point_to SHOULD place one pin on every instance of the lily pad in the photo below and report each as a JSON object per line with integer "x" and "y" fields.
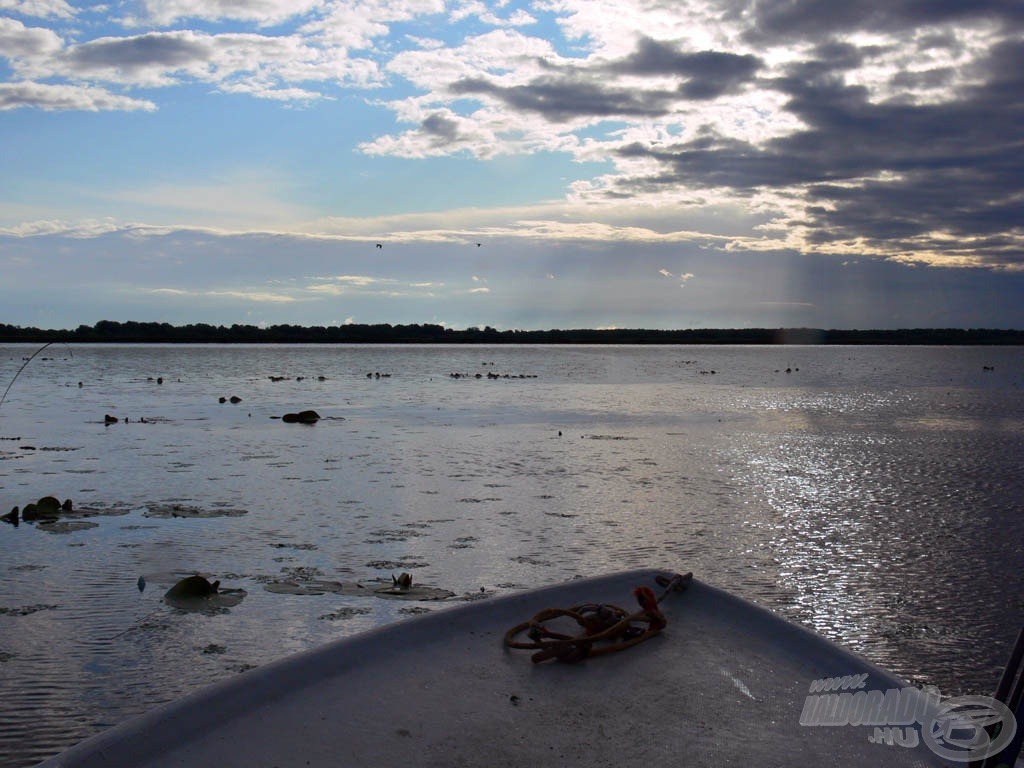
{"x": 97, "y": 510}
{"x": 415, "y": 592}
{"x": 312, "y": 587}
{"x": 217, "y": 603}
{"x": 187, "y": 511}
{"x": 396, "y": 565}
{"x": 344, "y": 613}
{"x": 66, "y": 526}
{"x": 414, "y": 610}
{"x": 25, "y": 610}
{"x": 387, "y": 590}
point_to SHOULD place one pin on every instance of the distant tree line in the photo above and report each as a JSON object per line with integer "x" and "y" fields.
{"x": 131, "y": 332}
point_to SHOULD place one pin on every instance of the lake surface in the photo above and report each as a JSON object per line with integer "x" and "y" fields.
{"x": 873, "y": 494}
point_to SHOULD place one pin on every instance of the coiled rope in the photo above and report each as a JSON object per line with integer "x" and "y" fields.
{"x": 606, "y": 628}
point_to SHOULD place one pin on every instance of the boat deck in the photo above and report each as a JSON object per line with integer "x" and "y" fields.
{"x": 724, "y": 684}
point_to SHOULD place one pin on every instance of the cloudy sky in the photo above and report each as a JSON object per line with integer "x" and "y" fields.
{"x": 555, "y": 163}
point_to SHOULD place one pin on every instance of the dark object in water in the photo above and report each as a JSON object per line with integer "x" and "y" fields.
{"x": 192, "y": 587}
{"x": 11, "y": 517}
{"x": 108, "y": 419}
{"x": 402, "y": 582}
{"x": 47, "y": 508}
{"x": 302, "y": 417}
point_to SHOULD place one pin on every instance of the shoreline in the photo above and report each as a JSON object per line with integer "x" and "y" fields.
{"x": 109, "y": 332}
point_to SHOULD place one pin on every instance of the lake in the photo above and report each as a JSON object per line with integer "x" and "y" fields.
{"x": 871, "y": 493}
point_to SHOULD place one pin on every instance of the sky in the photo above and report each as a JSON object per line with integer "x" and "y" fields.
{"x": 549, "y": 164}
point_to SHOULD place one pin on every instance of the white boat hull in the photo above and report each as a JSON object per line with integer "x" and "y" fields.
{"x": 724, "y": 684}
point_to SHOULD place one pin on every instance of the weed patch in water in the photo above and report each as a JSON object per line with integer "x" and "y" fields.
{"x": 167, "y": 511}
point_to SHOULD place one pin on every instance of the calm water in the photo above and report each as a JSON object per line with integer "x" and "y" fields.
{"x": 871, "y": 493}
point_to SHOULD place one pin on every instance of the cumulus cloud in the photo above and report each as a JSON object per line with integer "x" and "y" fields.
{"x": 886, "y": 176}
{"x": 38, "y": 8}
{"x": 146, "y": 60}
{"x": 160, "y": 59}
{"x": 530, "y": 98}
{"x": 18, "y": 41}
{"x": 704, "y": 74}
{"x": 786, "y": 20}
{"x": 264, "y": 12}
{"x": 475, "y": 8}
{"x": 439, "y": 133}
{"x": 560, "y": 99}
{"x": 278, "y": 66}
{"x": 67, "y": 97}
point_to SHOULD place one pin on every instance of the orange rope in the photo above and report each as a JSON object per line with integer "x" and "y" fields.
{"x": 609, "y": 625}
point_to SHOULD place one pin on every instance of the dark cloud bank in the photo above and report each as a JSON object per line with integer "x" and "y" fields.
{"x": 942, "y": 179}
